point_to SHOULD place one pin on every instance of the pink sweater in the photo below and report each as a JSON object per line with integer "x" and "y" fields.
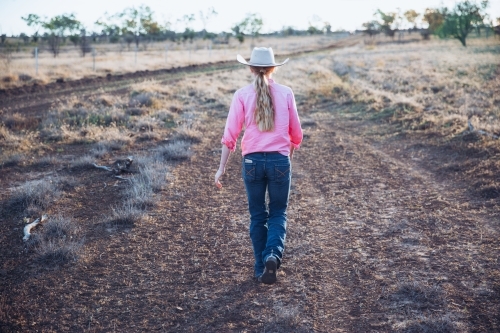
{"x": 287, "y": 130}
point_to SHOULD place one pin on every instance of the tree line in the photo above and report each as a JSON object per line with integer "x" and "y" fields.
{"x": 455, "y": 22}
{"x": 136, "y": 25}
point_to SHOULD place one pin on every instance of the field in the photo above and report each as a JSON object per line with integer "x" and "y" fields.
{"x": 19, "y": 67}
{"x": 393, "y": 219}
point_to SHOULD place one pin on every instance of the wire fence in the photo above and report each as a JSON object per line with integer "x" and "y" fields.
{"x": 39, "y": 61}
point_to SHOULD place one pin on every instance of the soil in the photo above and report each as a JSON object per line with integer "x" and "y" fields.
{"x": 380, "y": 239}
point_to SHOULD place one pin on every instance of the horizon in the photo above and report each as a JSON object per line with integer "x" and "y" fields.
{"x": 276, "y": 15}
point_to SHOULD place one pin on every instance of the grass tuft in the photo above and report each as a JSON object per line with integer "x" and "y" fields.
{"x": 82, "y": 163}
{"x": 59, "y": 242}
{"x": 176, "y": 151}
{"x": 38, "y": 193}
{"x": 126, "y": 215}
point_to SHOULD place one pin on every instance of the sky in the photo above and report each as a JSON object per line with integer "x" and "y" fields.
{"x": 341, "y": 14}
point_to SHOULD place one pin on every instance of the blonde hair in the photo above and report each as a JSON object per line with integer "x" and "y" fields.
{"x": 264, "y": 110}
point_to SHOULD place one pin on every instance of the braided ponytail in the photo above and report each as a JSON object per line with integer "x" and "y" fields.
{"x": 264, "y": 109}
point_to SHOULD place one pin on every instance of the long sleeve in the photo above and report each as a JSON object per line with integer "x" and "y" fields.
{"x": 294, "y": 130}
{"x": 234, "y": 123}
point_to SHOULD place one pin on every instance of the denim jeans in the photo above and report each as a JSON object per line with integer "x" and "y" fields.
{"x": 269, "y": 172}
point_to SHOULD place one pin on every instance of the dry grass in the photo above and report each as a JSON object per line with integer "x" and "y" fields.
{"x": 437, "y": 83}
{"x": 59, "y": 242}
{"x": 119, "y": 59}
{"x": 34, "y": 195}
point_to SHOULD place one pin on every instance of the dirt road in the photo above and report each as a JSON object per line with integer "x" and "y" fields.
{"x": 377, "y": 242}
{"x": 374, "y": 244}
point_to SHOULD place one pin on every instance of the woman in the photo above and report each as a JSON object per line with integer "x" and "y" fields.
{"x": 272, "y": 132}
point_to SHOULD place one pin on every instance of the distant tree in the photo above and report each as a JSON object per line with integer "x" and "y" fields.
{"x": 238, "y": 33}
{"x": 434, "y": 17}
{"x": 34, "y": 21}
{"x": 188, "y": 30}
{"x": 24, "y": 37}
{"x": 110, "y": 27}
{"x": 205, "y": 17}
{"x": 388, "y": 20}
{"x": 288, "y": 31}
{"x": 84, "y": 43}
{"x": 312, "y": 30}
{"x": 136, "y": 22}
{"x": 411, "y": 16}
{"x": 462, "y": 19}
{"x": 75, "y": 39}
{"x": 371, "y": 28}
{"x": 251, "y": 25}
{"x": 3, "y": 38}
{"x": 56, "y": 28}
{"x": 327, "y": 27}
{"x": 314, "y": 25}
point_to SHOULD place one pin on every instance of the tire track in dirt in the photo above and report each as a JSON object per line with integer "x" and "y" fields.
{"x": 388, "y": 247}
{"x": 29, "y": 99}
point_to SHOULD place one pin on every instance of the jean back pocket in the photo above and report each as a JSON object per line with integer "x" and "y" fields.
{"x": 282, "y": 172}
{"x": 249, "y": 170}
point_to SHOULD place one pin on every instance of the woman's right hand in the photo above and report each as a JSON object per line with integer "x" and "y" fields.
{"x": 219, "y": 174}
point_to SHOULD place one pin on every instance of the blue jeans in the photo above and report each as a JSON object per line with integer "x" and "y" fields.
{"x": 269, "y": 172}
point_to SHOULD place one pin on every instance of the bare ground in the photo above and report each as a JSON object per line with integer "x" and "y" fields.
{"x": 380, "y": 239}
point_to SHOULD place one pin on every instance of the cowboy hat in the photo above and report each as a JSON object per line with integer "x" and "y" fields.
{"x": 261, "y": 57}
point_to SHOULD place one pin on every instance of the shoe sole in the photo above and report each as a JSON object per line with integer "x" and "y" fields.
{"x": 269, "y": 275}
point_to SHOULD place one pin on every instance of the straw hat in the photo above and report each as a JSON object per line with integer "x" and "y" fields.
{"x": 261, "y": 57}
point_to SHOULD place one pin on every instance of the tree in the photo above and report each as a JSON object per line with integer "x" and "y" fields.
{"x": 188, "y": 31}
{"x": 462, "y": 19}
{"x": 411, "y": 16}
{"x": 109, "y": 27}
{"x": 238, "y": 33}
{"x": 288, "y": 31}
{"x": 314, "y": 28}
{"x": 387, "y": 20}
{"x": 327, "y": 27}
{"x": 205, "y": 17}
{"x": 371, "y": 28}
{"x": 34, "y": 21}
{"x": 84, "y": 42}
{"x": 24, "y": 37}
{"x": 434, "y": 17}
{"x": 137, "y": 22}
{"x": 56, "y": 27}
{"x": 251, "y": 25}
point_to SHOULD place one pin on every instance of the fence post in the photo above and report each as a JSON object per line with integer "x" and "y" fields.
{"x": 136, "y": 54}
{"x": 36, "y": 60}
{"x": 93, "y": 59}
{"x": 166, "y": 53}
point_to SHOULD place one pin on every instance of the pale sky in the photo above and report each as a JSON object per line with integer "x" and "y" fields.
{"x": 345, "y": 14}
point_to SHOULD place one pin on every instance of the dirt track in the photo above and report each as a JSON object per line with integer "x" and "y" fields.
{"x": 377, "y": 242}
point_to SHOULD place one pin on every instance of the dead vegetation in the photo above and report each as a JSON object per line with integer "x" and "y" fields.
{"x": 392, "y": 220}
{"x": 19, "y": 68}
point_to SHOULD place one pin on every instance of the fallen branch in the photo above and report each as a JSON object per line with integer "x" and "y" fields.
{"x": 481, "y": 132}
{"x": 119, "y": 165}
{"x": 33, "y": 224}
{"x": 102, "y": 167}
{"x": 123, "y": 165}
